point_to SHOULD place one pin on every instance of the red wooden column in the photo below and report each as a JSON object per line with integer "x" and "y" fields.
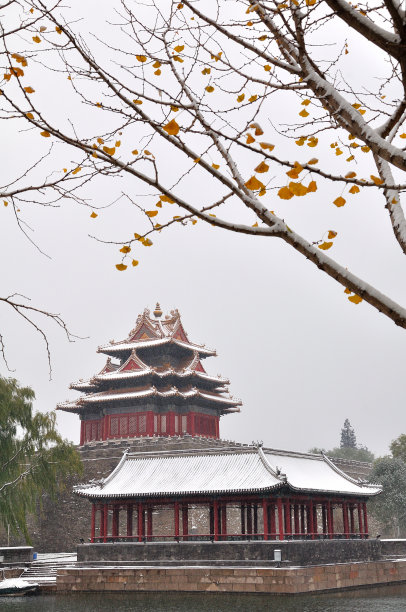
{"x": 310, "y": 517}
{"x": 255, "y": 511}
{"x": 93, "y": 523}
{"x": 360, "y": 523}
{"x": 288, "y": 518}
{"x": 185, "y": 521}
{"x": 224, "y": 521}
{"x": 364, "y": 508}
{"x": 149, "y": 523}
{"x": 216, "y": 520}
{"x": 315, "y": 521}
{"x": 249, "y": 519}
{"x": 280, "y": 518}
{"x": 82, "y": 433}
{"x": 242, "y": 518}
{"x": 302, "y": 520}
{"x": 105, "y": 521}
{"x": 265, "y": 511}
{"x": 140, "y": 521}
{"x": 330, "y": 520}
{"x": 104, "y": 427}
{"x": 176, "y": 520}
{"x": 101, "y": 524}
{"x": 217, "y": 428}
{"x": 296, "y": 519}
{"x": 272, "y": 524}
{"x": 129, "y": 521}
{"x": 352, "y": 522}
{"x": 324, "y": 518}
{"x": 114, "y": 527}
{"x": 345, "y": 519}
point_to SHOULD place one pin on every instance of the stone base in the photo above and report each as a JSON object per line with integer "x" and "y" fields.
{"x": 294, "y": 552}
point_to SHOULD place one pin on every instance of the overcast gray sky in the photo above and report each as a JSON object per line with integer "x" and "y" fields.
{"x": 298, "y": 354}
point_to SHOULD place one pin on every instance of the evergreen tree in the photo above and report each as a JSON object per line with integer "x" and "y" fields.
{"x": 348, "y": 438}
{"x": 34, "y": 459}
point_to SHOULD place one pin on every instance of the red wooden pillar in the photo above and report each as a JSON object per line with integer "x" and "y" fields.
{"x": 364, "y": 508}
{"x": 242, "y": 519}
{"x": 255, "y": 509}
{"x": 288, "y": 518}
{"x": 191, "y": 420}
{"x": 185, "y": 521}
{"x": 315, "y": 520}
{"x": 310, "y": 518}
{"x": 271, "y": 511}
{"x": 217, "y": 427}
{"x": 324, "y": 518}
{"x": 105, "y": 521}
{"x": 82, "y": 433}
{"x": 296, "y": 519}
{"x": 345, "y": 519}
{"x": 216, "y": 520}
{"x": 265, "y": 511}
{"x": 150, "y": 423}
{"x": 224, "y": 521}
{"x": 129, "y": 521}
{"x": 249, "y": 519}
{"x": 93, "y": 523}
{"x": 101, "y": 524}
{"x": 176, "y": 520}
{"x": 140, "y": 521}
{"x": 352, "y": 522}
{"x": 114, "y": 527}
{"x": 104, "y": 427}
{"x": 302, "y": 520}
{"x": 149, "y": 523}
{"x": 360, "y": 523}
{"x": 280, "y": 518}
{"x": 330, "y": 520}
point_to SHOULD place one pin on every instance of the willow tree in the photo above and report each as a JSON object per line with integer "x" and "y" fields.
{"x": 34, "y": 459}
{"x": 229, "y": 111}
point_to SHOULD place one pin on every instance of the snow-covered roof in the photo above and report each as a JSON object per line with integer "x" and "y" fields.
{"x": 246, "y": 470}
{"x": 120, "y": 347}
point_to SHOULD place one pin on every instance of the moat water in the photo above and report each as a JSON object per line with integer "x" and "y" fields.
{"x": 380, "y": 599}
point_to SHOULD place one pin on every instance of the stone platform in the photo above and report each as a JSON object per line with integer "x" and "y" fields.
{"x": 294, "y": 552}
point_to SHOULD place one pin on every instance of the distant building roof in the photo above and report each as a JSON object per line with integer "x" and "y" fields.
{"x": 246, "y": 470}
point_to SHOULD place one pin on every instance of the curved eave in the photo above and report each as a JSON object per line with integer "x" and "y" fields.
{"x": 101, "y": 495}
{"x": 364, "y": 492}
{"x": 124, "y": 347}
{"x": 128, "y": 375}
{"x": 143, "y": 395}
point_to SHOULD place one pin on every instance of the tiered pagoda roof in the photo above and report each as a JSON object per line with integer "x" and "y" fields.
{"x": 157, "y": 362}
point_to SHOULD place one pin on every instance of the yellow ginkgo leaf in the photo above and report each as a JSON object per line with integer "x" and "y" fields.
{"x": 324, "y": 246}
{"x": 121, "y": 267}
{"x": 135, "y": 152}
{"x": 29, "y": 115}
{"x": 402, "y": 135}
{"x": 306, "y": 102}
{"x": 151, "y": 213}
{"x": 267, "y": 67}
{"x": 376, "y": 180}
{"x": 141, "y": 58}
{"x": 252, "y": 98}
{"x": 350, "y": 158}
{"x": 350, "y": 175}
{"x": 171, "y": 128}
{"x": 339, "y": 201}
{"x": 29, "y": 90}
{"x": 5, "y": 203}
{"x": 267, "y": 146}
{"x": 310, "y": 2}
{"x": 258, "y": 129}
{"x": 174, "y": 108}
{"x": 125, "y": 249}
{"x": 209, "y": 88}
{"x": 263, "y": 37}
{"x": 285, "y": 194}
{"x": 137, "y": 101}
{"x": 354, "y": 189}
{"x": 394, "y": 201}
{"x": 297, "y": 189}
{"x": 312, "y": 187}
{"x": 215, "y": 166}
{"x": 179, "y": 48}
{"x": 58, "y": 29}
{"x": 156, "y": 64}
{"x": 100, "y": 140}
{"x": 45, "y": 134}
{"x": 301, "y": 141}
{"x": 147, "y": 242}
{"x": 348, "y": 291}
{"x": 312, "y": 141}
{"x": 117, "y": 143}
{"x": 134, "y": 262}
{"x": 76, "y": 170}
{"x": 206, "y": 70}
{"x": 331, "y": 234}
{"x": 253, "y": 184}
{"x": 177, "y": 58}
{"x": 304, "y": 113}
{"x": 165, "y": 198}
{"x": 36, "y": 39}
{"x": 93, "y": 215}
{"x": 250, "y": 139}
{"x": 262, "y": 167}
{"x": 158, "y": 72}
{"x": 312, "y": 161}
{"x": 194, "y": 221}
{"x": 355, "y": 299}
{"x": 240, "y": 97}
{"x": 365, "y": 149}
{"x": 109, "y": 150}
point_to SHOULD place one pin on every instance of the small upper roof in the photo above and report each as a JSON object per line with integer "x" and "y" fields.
{"x": 236, "y": 470}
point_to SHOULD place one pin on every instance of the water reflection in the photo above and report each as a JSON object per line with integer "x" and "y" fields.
{"x": 380, "y": 599}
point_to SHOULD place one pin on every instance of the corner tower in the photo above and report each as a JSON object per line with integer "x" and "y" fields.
{"x": 153, "y": 384}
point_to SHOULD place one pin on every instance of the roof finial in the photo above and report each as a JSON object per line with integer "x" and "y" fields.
{"x": 157, "y": 311}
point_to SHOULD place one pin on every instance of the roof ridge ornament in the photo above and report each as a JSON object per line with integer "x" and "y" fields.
{"x": 158, "y": 311}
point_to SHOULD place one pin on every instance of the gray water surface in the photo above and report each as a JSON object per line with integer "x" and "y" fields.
{"x": 381, "y": 599}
